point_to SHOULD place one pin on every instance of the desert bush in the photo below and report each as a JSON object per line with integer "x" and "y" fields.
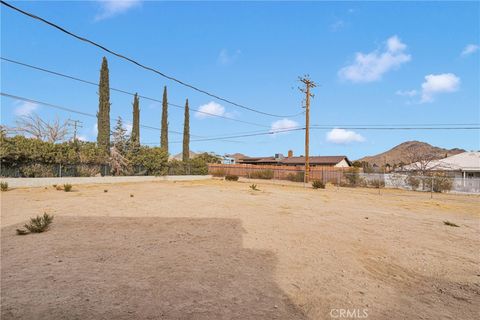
{"x": 376, "y": 183}
{"x": 296, "y": 177}
{"x": 413, "y": 182}
{"x": 318, "y": 184}
{"x": 254, "y": 187}
{"x": 131, "y": 195}
{"x": 218, "y": 173}
{"x": 353, "y": 178}
{"x": 105, "y": 190}
{"x": 231, "y": 177}
{"x": 67, "y": 187}
{"x": 442, "y": 184}
{"x": 262, "y": 174}
{"x": 4, "y": 186}
{"x": 37, "y": 224}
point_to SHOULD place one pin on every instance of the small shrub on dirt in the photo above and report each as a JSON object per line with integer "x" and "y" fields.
{"x": 54, "y": 185}
{"x": 131, "y": 196}
{"x": 105, "y": 190}
{"x": 231, "y": 177}
{"x": 262, "y": 174}
{"x": 67, "y": 187}
{"x": 4, "y": 186}
{"x": 450, "y": 224}
{"x": 318, "y": 184}
{"x": 254, "y": 187}
{"x": 59, "y": 188}
{"x": 36, "y": 225}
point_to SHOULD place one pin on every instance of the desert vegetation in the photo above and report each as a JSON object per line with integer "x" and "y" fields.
{"x": 36, "y": 225}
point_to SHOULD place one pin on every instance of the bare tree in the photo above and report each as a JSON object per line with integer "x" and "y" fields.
{"x": 35, "y": 126}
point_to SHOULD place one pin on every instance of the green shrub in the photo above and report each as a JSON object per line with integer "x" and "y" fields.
{"x": 254, "y": 187}
{"x": 37, "y": 170}
{"x": 37, "y": 225}
{"x": 262, "y": 174}
{"x": 318, "y": 184}
{"x": 88, "y": 171}
{"x": 231, "y": 177}
{"x": 296, "y": 177}
{"x": 4, "y": 186}
{"x": 67, "y": 187}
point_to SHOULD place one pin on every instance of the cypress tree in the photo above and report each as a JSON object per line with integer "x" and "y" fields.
{"x": 103, "y": 115}
{"x": 164, "y": 134}
{"x": 186, "y": 134}
{"x": 135, "y": 138}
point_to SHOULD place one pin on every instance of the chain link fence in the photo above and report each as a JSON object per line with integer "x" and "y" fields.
{"x": 41, "y": 170}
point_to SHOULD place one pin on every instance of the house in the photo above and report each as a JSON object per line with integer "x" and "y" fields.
{"x": 464, "y": 165}
{"x": 315, "y": 161}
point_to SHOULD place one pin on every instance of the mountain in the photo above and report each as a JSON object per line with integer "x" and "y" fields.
{"x": 403, "y": 152}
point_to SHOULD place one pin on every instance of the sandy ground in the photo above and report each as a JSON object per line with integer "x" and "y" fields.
{"x": 217, "y": 250}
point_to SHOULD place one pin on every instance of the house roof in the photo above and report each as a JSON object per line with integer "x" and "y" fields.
{"x": 325, "y": 160}
{"x": 466, "y": 161}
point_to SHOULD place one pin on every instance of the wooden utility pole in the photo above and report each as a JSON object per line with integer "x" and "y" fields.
{"x": 308, "y": 84}
{"x": 76, "y": 124}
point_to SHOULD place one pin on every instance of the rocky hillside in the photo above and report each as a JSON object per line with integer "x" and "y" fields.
{"x": 403, "y": 152}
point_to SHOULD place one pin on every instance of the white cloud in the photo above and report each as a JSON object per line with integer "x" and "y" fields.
{"x": 406, "y": 93}
{"x": 111, "y": 8}
{"x": 225, "y": 58}
{"x": 371, "y": 66}
{"x": 284, "y": 124}
{"x": 469, "y": 49}
{"x": 438, "y": 83}
{"x": 342, "y": 136}
{"x": 212, "y": 108}
{"x": 24, "y": 108}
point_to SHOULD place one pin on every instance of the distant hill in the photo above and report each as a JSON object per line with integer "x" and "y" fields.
{"x": 401, "y": 153}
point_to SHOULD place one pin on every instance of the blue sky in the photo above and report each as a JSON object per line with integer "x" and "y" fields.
{"x": 376, "y": 63}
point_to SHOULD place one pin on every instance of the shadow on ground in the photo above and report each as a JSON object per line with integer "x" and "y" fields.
{"x": 139, "y": 268}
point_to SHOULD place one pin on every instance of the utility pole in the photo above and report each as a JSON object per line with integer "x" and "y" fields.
{"x": 308, "y": 85}
{"x": 76, "y": 124}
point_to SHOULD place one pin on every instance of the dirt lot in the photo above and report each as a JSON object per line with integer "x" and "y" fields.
{"x": 217, "y": 250}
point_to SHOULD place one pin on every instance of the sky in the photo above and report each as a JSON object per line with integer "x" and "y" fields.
{"x": 375, "y": 63}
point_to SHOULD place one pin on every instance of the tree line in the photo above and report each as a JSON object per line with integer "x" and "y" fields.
{"x": 121, "y": 152}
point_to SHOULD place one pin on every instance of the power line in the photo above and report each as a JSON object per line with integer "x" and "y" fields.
{"x": 273, "y": 132}
{"x": 340, "y": 126}
{"x": 125, "y": 92}
{"x": 76, "y": 111}
{"x": 142, "y": 65}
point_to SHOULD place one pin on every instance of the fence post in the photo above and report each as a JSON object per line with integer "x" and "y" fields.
{"x": 431, "y": 188}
